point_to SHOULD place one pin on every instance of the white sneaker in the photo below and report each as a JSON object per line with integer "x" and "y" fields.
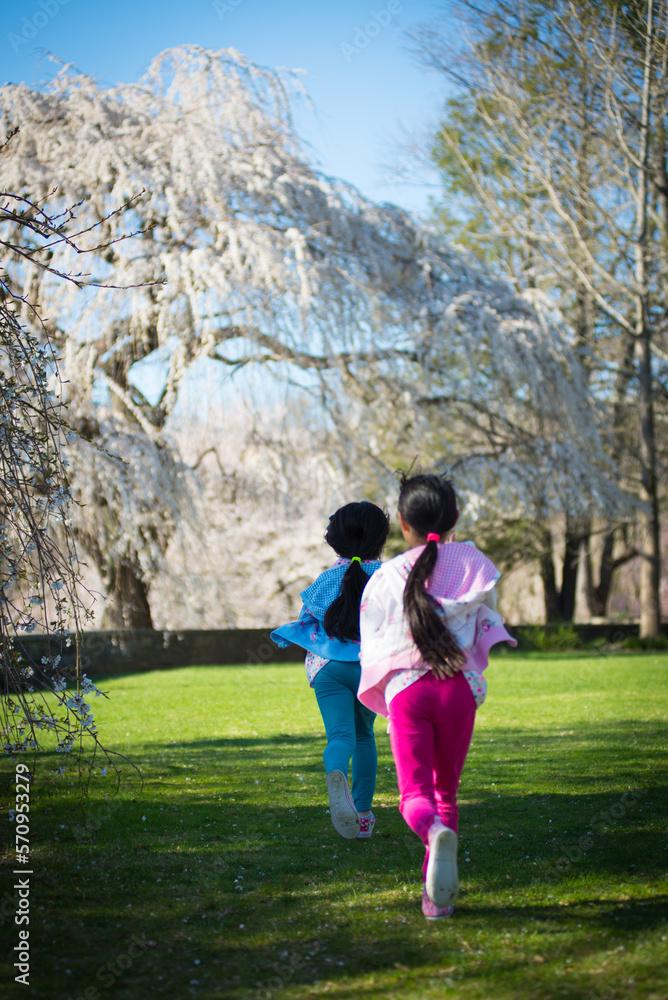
{"x": 442, "y": 882}
{"x": 341, "y": 807}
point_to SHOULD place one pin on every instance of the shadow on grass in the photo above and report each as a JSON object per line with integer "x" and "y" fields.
{"x": 281, "y": 937}
{"x": 241, "y": 742}
{"x": 604, "y": 748}
{"x": 232, "y": 880}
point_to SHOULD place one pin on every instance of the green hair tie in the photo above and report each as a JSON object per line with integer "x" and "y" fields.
{"x": 356, "y": 559}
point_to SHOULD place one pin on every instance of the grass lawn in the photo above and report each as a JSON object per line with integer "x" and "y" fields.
{"x": 221, "y": 876}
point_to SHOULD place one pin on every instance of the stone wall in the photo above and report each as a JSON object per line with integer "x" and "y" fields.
{"x": 134, "y": 650}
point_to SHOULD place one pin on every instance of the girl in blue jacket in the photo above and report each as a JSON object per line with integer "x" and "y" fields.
{"x": 328, "y": 629}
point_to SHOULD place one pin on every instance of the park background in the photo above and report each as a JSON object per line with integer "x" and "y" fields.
{"x": 241, "y": 443}
{"x": 463, "y": 264}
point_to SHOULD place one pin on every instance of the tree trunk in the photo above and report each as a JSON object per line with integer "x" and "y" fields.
{"x": 560, "y": 601}
{"x": 650, "y": 568}
{"x": 127, "y": 600}
{"x": 598, "y": 593}
{"x": 569, "y": 576}
{"x": 548, "y": 576}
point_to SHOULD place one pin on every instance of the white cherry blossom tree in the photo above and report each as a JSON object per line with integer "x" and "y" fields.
{"x": 249, "y": 258}
{"x": 46, "y": 698}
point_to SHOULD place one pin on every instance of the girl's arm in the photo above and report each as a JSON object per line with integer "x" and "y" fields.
{"x": 376, "y": 610}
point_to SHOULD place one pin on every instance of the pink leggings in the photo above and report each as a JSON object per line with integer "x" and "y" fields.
{"x": 431, "y": 727}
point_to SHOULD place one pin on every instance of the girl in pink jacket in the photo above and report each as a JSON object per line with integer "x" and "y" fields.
{"x": 427, "y": 621}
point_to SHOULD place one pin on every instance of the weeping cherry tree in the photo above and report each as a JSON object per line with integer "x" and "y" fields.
{"x": 249, "y": 258}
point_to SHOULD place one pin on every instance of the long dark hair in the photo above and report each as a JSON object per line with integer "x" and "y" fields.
{"x": 428, "y": 503}
{"x": 357, "y": 529}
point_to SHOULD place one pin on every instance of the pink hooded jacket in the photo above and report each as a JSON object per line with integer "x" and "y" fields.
{"x": 462, "y": 582}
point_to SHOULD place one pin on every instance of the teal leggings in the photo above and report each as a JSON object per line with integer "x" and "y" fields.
{"x": 349, "y": 728}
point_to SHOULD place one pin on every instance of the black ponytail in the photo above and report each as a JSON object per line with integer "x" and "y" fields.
{"x": 356, "y": 530}
{"x": 428, "y": 503}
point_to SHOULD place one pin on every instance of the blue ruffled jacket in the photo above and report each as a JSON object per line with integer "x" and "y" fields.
{"x": 308, "y": 631}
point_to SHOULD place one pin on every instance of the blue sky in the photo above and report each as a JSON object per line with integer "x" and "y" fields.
{"x": 365, "y": 85}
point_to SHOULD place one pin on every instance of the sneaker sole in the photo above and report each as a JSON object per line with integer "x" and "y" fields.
{"x": 344, "y": 816}
{"x": 441, "y": 916}
{"x": 442, "y": 881}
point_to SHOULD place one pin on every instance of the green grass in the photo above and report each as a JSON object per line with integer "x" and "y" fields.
{"x": 226, "y": 869}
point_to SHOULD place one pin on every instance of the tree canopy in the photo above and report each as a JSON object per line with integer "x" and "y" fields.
{"x": 245, "y": 255}
{"x": 553, "y": 149}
